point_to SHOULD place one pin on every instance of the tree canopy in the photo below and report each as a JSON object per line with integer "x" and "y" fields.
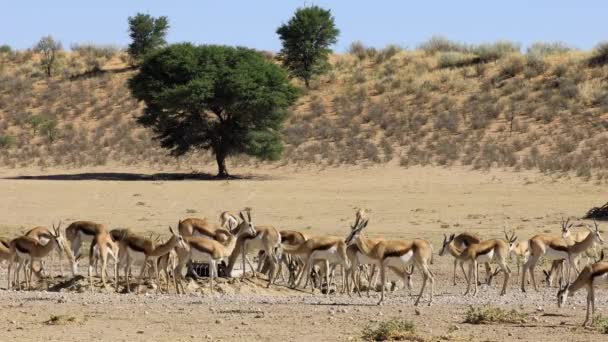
{"x": 223, "y": 99}
{"x": 147, "y": 33}
{"x": 49, "y": 49}
{"x": 306, "y": 39}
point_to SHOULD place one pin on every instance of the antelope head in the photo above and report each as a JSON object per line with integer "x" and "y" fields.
{"x": 246, "y": 227}
{"x": 566, "y": 226}
{"x": 355, "y": 230}
{"x": 179, "y": 238}
{"x": 446, "y": 241}
{"x": 58, "y": 237}
{"x": 597, "y": 237}
{"x": 510, "y": 240}
{"x": 562, "y": 294}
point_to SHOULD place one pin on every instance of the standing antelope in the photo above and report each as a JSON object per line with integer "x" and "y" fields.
{"x": 28, "y": 249}
{"x": 577, "y": 237}
{"x": 294, "y": 263}
{"x": 207, "y": 249}
{"x": 519, "y": 249}
{"x": 142, "y": 249}
{"x": 485, "y": 251}
{"x": 557, "y": 248}
{"x": 461, "y": 242}
{"x": 590, "y": 276}
{"x": 397, "y": 253}
{"x": 8, "y": 254}
{"x": 102, "y": 246}
{"x": 43, "y": 234}
{"x": 77, "y": 233}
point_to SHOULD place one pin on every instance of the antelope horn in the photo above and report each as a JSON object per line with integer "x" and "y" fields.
{"x": 249, "y": 214}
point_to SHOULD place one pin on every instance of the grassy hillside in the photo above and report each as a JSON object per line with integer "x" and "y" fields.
{"x": 445, "y": 104}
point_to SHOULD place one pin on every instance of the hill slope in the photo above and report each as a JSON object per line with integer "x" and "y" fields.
{"x": 411, "y": 107}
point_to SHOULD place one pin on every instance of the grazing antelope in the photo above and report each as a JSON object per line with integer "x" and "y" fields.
{"x": 43, "y": 235}
{"x": 207, "y": 249}
{"x": 328, "y": 249}
{"x": 77, "y": 233}
{"x": 396, "y": 253}
{"x": 102, "y": 246}
{"x": 590, "y": 276}
{"x": 229, "y": 220}
{"x": 28, "y": 249}
{"x": 485, "y": 251}
{"x": 8, "y": 254}
{"x": 557, "y": 248}
{"x": 294, "y": 263}
{"x": 461, "y": 242}
{"x": 140, "y": 248}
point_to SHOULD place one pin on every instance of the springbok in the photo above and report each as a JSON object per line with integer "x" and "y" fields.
{"x": 102, "y": 246}
{"x": 28, "y": 249}
{"x": 43, "y": 234}
{"x": 8, "y": 254}
{"x": 461, "y": 242}
{"x": 519, "y": 249}
{"x": 77, "y": 233}
{"x": 590, "y": 276}
{"x": 200, "y": 227}
{"x": 578, "y": 236}
{"x": 294, "y": 263}
{"x": 207, "y": 249}
{"x": 485, "y": 251}
{"x": 557, "y": 248}
{"x": 229, "y": 220}
{"x": 140, "y": 248}
{"x": 397, "y": 253}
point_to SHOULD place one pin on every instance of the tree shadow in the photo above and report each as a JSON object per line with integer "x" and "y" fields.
{"x": 125, "y": 176}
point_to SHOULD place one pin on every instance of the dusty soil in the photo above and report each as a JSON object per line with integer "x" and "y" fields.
{"x": 418, "y": 202}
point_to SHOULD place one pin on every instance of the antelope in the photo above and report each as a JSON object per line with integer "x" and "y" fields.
{"x": 395, "y": 253}
{"x": 77, "y": 233}
{"x": 102, "y": 246}
{"x": 28, "y": 249}
{"x": 138, "y": 248}
{"x": 325, "y": 248}
{"x": 589, "y": 277}
{"x": 208, "y": 249}
{"x": 199, "y": 227}
{"x": 266, "y": 238}
{"x": 229, "y": 220}
{"x": 167, "y": 263}
{"x": 461, "y": 242}
{"x": 519, "y": 249}
{"x": 43, "y": 235}
{"x": 484, "y": 251}
{"x": 577, "y": 237}
{"x": 8, "y": 254}
{"x": 294, "y": 263}
{"x": 557, "y": 248}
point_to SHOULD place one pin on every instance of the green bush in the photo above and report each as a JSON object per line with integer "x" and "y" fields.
{"x": 5, "y": 49}
{"x": 601, "y": 324}
{"x": 7, "y": 141}
{"x": 453, "y": 59}
{"x": 494, "y": 51}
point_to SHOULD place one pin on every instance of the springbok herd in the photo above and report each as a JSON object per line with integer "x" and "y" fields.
{"x": 304, "y": 256}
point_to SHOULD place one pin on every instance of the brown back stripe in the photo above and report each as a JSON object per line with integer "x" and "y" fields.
{"x": 86, "y": 230}
{"x": 20, "y": 248}
{"x": 135, "y": 246}
{"x": 484, "y": 251}
{"x": 5, "y": 243}
{"x": 599, "y": 273}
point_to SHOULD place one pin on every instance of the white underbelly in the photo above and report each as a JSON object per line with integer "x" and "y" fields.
{"x": 405, "y": 259}
{"x": 365, "y": 260}
{"x": 486, "y": 257}
{"x": 330, "y": 255}
{"x": 554, "y": 254}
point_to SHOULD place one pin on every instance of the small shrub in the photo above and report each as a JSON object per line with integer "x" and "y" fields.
{"x": 600, "y": 55}
{"x": 546, "y": 49}
{"x": 453, "y": 59}
{"x": 491, "y": 52}
{"x": 441, "y": 44}
{"x": 447, "y": 120}
{"x": 488, "y": 314}
{"x": 358, "y": 49}
{"x": 5, "y": 49}
{"x": 392, "y": 330}
{"x": 7, "y": 141}
{"x": 601, "y": 324}
{"x": 387, "y": 53}
{"x": 511, "y": 67}
{"x": 535, "y": 66}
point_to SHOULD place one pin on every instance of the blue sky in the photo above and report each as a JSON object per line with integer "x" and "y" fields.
{"x": 253, "y": 23}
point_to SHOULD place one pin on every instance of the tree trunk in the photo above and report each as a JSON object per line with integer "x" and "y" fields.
{"x": 222, "y": 171}
{"x": 307, "y": 82}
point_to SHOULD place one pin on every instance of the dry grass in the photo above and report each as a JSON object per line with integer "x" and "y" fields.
{"x": 488, "y": 315}
{"x": 392, "y": 330}
{"x": 447, "y": 104}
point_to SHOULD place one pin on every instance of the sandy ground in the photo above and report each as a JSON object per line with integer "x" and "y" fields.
{"x": 417, "y": 202}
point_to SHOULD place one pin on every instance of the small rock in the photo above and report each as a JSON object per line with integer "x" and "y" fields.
{"x": 218, "y": 321}
{"x": 13, "y": 322}
{"x": 208, "y": 337}
{"x": 535, "y": 319}
{"x": 417, "y": 312}
{"x": 540, "y": 309}
{"x": 146, "y": 312}
{"x": 244, "y": 323}
{"x": 509, "y": 334}
{"x": 192, "y": 336}
{"x": 140, "y": 331}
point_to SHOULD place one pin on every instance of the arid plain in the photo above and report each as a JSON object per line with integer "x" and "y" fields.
{"x": 404, "y": 203}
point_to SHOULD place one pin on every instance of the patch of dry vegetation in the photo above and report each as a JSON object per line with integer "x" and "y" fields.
{"x": 446, "y": 103}
{"x": 392, "y": 330}
{"x": 489, "y": 314}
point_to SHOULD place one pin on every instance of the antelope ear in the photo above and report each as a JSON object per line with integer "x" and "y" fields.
{"x": 514, "y": 239}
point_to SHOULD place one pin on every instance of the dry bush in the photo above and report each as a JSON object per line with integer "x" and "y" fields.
{"x": 488, "y": 314}
{"x": 542, "y": 49}
{"x": 600, "y": 55}
{"x": 392, "y": 330}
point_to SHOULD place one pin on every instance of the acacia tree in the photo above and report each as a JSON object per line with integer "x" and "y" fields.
{"x": 147, "y": 33}
{"x": 306, "y": 39}
{"x": 218, "y": 98}
{"x": 49, "y": 49}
